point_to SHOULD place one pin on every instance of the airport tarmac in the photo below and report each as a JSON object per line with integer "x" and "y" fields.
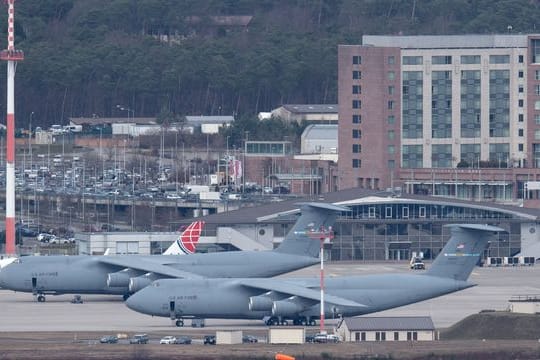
{"x": 108, "y": 313}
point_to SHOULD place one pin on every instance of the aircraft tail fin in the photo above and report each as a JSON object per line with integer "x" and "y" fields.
{"x": 187, "y": 241}
{"x": 313, "y": 218}
{"x": 462, "y": 252}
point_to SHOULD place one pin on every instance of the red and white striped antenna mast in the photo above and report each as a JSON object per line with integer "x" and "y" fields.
{"x": 11, "y": 56}
{"x": 322, "y": 235}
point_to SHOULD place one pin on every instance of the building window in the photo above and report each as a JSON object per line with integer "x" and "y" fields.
{"x": 396, "y": 336}
{"x": 536, "y": 134}
{"x": 412, "y": 335}
{"x": 380, "y": 336}
{"x": 520, "y": 132}
{"x": 537, "y": 89}
{"x": 412, "y": 60}
{"x": 520, "y": 88}
{"x": 535, "y": 47}
{"x": 356, "y": 104}
{"x": 356, "y": 336}
{"x": 391, "y": 119}
{"x": 422, "y": 212}
{"x": 470, "y": 59}
{"x": 356, "y": 134}
{"x": 363, "y": 336}
{"x": 441, "y": 60}
{"x": 520, "y": 102}
{"x": 537, "y": 74}
{"x": 499, "y": 59}
{"x": 356, "y": 119}
{"x": 391, "y": 60}
{"x": 356, "y": 89}
{"x": 356, "y": 75}
{"x": 520, "y": 117}
{"x": 356, "y": 148}
{"x": 356, "y": 60}
{"x": 405, "y": 212}
{"x": 391, "y": 149}
{"x": 390, "y": 104}
{"x": 391, "y": 164}
{"x": 391, "y": 75}
{"x": 520, "y": 59}
{"x": 537, "y": 105}
{"x": 391, "y": 90}
{"x": 537, "y": 119}
{"x": 356, "y": 163}
{"x": 520, "y": 74}
{"x": 391, "y": 134}
{"x": 520, "y": 147}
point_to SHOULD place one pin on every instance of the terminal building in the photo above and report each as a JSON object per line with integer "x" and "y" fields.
{"x": 381, "y": 226}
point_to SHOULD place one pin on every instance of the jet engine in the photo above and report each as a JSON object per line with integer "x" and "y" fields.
{"x": 139, "y": 282}
{"x": 263, "y": 302}
{"x": 121, "y": 278}
{"x": 289, "y": 307}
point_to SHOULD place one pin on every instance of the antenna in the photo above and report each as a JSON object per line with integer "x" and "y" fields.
{"x": 11, "y": 56}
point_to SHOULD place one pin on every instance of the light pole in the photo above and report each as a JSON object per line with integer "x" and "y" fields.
{"x": 128, "y": 110}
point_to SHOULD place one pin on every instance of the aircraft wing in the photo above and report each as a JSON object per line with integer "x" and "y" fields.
{"x": 282, "y": 286}
{"x": 147, "y": 266}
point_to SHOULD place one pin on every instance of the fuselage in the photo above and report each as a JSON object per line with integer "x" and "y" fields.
{"x": 223, "y": 298}
{"x": 83, "y": 274}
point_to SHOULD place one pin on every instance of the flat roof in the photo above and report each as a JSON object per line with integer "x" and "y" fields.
{"x": 389, "y": 323}
{"x": 447, "y": 41}
{"x": 312, "y": 108}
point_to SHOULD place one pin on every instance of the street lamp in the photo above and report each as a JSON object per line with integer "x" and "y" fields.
{"x": 128, "y": 110}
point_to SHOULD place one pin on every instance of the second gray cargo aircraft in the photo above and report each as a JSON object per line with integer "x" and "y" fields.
{"x": 126, "y": 274}
{"x": 280, "y": 299}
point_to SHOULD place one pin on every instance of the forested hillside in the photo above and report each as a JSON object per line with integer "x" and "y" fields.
{"x": 180, "y": 57}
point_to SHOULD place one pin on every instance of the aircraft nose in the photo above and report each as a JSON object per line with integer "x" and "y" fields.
{"x": 137, "y": 302}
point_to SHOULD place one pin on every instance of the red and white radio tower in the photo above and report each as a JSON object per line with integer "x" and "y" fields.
{"x": 11, "y": 56}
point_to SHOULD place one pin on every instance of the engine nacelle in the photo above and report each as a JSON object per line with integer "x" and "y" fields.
{"x": 287, "y": 308}
{"x": 260, "y": 303}
{"x": 140, "y": 282}
{"x": 121, "y": 278}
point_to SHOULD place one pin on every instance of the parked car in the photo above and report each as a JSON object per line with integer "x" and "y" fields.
{"x": 183, "y": 340}
{"x": 45, "y": 237}
{"x": 310, "y": 338}
{"x": 139, "y": 339}
{"x": 168, "y": 340}
{"x": 249, "y": 339}
{"x": 109, "y": 339}
{"x": 326, "y": 338}
{"x": 209, "y": 340}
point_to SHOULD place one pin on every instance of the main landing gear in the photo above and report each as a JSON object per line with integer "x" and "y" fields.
{"x": 41, "y": 298}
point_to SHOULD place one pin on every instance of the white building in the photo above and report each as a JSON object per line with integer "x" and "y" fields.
{"x": 360, "y": 329}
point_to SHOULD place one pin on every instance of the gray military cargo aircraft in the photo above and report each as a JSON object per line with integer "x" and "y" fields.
{"x": 126, "y": 274}
{"x": 278, "y": 300}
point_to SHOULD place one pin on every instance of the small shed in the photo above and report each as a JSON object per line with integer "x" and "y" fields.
{"x": 525, "y": 304}
{"x": 286, "y": 335}
{"x": 413, "y": 328}
{"x": 229, "y": 337}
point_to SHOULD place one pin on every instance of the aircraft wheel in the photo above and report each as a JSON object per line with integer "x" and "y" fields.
{"x": 272, "y": 321}
{"x": 179, "y": 323}
{"x": 312, "y": 322}
{"x": 125, "y": 296}
{"x": 303, "y": 321}
{"x": 296, "y": 322}
{"x": 284, "y": 323}
{"x": 41, "y": 298}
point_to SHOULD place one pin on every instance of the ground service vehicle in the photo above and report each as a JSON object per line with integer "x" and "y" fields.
{"x": 209, "y": 340}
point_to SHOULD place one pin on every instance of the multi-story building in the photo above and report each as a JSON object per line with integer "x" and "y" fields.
{"x": 442, "y": 115}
